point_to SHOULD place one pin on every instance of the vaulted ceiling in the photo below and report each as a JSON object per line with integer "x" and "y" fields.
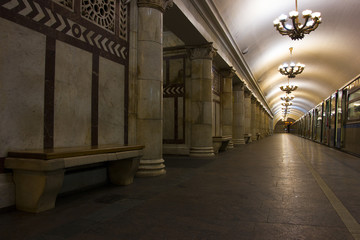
{"x": 331, "y": 53}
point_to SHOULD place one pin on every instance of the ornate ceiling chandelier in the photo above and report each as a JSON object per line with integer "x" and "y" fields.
{"x": 292, "y": 69}
{"x": 297, "y": 30}
{"x": 288, "y": 88}
{"x": 286, "y": 104}
{"x": 287, "y": 97}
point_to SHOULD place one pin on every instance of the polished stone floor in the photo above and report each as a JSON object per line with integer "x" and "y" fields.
{"x": 271, "y": 189}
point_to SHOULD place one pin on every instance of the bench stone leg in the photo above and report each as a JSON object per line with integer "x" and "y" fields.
{"x": 37, "y": 191}
{"x": 122, "y": 172}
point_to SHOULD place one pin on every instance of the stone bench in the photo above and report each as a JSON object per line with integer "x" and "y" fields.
{"x": 39, "y": 174}
{"x": 220, "y": 143}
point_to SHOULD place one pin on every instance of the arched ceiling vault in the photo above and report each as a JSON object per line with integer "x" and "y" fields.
{"x": 331, "y": 53}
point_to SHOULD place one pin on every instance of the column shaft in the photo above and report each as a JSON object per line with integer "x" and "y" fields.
{"x": 149, "y": 124}
{"x": 253, "y": 118}
{"x": 227, "y": 105}
{"x": 201, "y": 101}
{"x": 247, "y": 105}
{"x": 239, "y": 115}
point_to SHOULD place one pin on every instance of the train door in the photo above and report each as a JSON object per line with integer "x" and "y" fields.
{"x": 313, "y": 123}
{"x": 325, "y": 123}
{"x": 344, "y": 100}
{"x": 318, "y": 122}
{"x": 339, "y": 119}
{"x": 332, "y": 122}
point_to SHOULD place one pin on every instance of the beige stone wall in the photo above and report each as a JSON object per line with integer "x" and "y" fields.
{"x": 24, "y": 61}
{"x": 72, "y": 113}
{"x": 22, "y": 65}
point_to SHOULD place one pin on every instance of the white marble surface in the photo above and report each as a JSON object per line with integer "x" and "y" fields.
{"x": 247, "y": 106}
{"x": 150, "y": 133}
{"x": 150, "y": 17}
{"x": 111, "y": 102}
{"x": 150, "y": 69}
{"x": 150, "y": 99}
{"x": 22, "y": 70}
{"x": 73, "y": 77}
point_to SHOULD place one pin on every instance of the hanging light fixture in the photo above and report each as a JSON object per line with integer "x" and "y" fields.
{"x": 285, "y": 104}
{"x": 297, "y": 30}
{"x": 292, "y": 69}
{"x": 288, "y": 88}
{"x": 287, "y": 97}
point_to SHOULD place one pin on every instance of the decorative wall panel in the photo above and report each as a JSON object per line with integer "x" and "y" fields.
{"x": 174, "y": 93}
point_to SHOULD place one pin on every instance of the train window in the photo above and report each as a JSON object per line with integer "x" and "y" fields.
{"x": 353, "y": 113}
{"x": 354, "y": 110}
{"x": 354, "y": 95}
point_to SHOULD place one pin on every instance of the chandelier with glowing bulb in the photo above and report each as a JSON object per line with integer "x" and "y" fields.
{"x": 292, "y": 69}
{"x": 287, "y": 97}
{"x": 288, "y": 88}
{"x": 297, "y": 30}
{"x": 286, "y": 104}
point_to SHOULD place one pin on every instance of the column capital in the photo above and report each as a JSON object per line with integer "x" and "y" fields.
{"x": 228, "y": 72}
{"x": 238, "y": 86}
{"x": 253, "y": 99}
{"x": 160, "y": 5}
{"x": 247, "y": 92}
{"x": 203, "y": 52}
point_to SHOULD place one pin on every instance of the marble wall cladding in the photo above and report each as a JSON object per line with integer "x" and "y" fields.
{"x": 150, "y": 17}
{"x": 132, "y": 105}
{"x": 22, "y": 69}
{"x": 149, "y": 69}
{"x": 111, "y": 102}
{"x": 150, "y": 133}
{"x": 199, "y": 135}
{"x": 72, "y": 110}
{"x": 169, "y": 118}
{"x": 150, "y": 97}
{"x": 253, "y": 121}
{"x": 247, "y": 104}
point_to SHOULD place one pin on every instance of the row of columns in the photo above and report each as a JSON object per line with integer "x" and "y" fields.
{"x": 242, "y": 115}
{"x": 250, "y": 119}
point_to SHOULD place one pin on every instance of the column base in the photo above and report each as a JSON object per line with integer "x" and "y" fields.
{"x": 202, "y": 152}
{"x": 230, "y": 145}
{"x": 151, "y": 168}
{"x": 238, "y": 142}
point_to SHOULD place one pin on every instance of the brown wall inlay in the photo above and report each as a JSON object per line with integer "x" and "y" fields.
{"x": 95, "y": 100}
{"x": 49, "y": 92}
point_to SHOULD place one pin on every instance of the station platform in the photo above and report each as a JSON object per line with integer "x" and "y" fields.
{"x": 280, "y": 187}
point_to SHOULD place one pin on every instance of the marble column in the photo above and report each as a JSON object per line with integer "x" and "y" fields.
{"x": 247, "y": 106}
{"x": 261, "y": 122}
{"x": 258, "y": 119}
{"x": 266, "y": 124}
{"x": 253, "y": 118}
{"x": 227, "y": 104}
{"x": 149, "y": 125}
{"x": 239, "y": 115}
{"x": 201, "y": 101}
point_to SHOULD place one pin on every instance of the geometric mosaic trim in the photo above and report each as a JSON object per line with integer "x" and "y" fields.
{"x": 174, "y": 90}
{"x": 66, "y": 3}
{"x": 47, "y": 17}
